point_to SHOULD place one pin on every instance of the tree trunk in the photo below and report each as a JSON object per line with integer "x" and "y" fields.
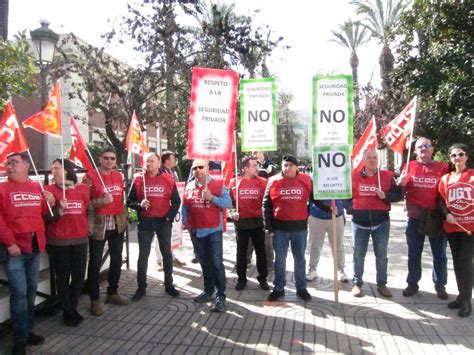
{"x": 4, "y": 19}
{"x": 386, "y": 61}
{"x": 355, "y": 78}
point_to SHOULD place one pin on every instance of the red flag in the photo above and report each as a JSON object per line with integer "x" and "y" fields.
{"x": 11, "y": 136}
{"x": 396, "y": 132}
{"x": 135, "y": 141}
{"x": 368, "y": 140}
{"x": 77, "y": 154}
{"x": 48, "y": 121}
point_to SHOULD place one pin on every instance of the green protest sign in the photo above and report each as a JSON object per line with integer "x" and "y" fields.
{"x": 258, "y": 115}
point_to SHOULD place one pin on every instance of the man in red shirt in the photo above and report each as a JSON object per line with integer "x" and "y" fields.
{"x": 373, "y": 191}
{"x": 22, "y": 206}
{"x": 420, "y": 184}
{"x": 110, "y": 218}
{"x": 248, "y": 192}
{"x": 285, "y": 209}
{"x": 156, "y": 211}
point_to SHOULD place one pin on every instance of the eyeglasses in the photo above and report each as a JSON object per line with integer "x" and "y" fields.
{"x": 200, "y": 167}
{"x": 109, "y": 158}
{"x": 13, "y": 162}
{"x": 425, "y": 146}
{"x": 460, "y": 155}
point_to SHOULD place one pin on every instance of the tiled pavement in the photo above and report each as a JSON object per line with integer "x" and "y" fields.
{"x": 371, "y": 324}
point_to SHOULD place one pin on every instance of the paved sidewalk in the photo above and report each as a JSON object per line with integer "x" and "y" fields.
{"x": 367, "y": 325}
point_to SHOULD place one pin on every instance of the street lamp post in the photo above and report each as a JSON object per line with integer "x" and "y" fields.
{"x": 44, "y": 44}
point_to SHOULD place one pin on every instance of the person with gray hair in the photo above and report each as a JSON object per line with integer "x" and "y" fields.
{"x": 22, "y": 232}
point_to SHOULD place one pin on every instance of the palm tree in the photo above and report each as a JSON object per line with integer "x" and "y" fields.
{"x": 352, "y": 35}
{"x": 381, "y": 22}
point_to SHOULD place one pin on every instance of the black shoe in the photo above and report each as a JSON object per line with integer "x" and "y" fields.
{"x": 241, "y": 284}
{"x": 139, "y": 293}
{"x": 454, "y": 305}
{"x": 194, "y": 260}
{"x": 264, "y": 285}
{"x": 70, "y": 319}
{"x": 304, "y": 294}
{"x": 78, "y": 316}
{"x": 275, "y": 295}
{"x": 465, "y": 309}
{"x": 441, "y": 292}
{"x": 34, "y": 339}
{"x": 203, "y": 297}
{"x": 410, "y": 290}
{"x": 170, "y": 290}
{"x": 219, "y": 306}
{"x": 19, "y": 349}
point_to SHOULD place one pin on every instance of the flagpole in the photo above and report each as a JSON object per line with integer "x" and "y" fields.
{"x": 95, "y": 167}
{"x": 39, "y": 181}
{"x": 236, "y": 174}
{"x": 411, "y": 135}
{"x": 62, "y": 164}
{"x": 144, "y": 183}
{"x": 378, "y": 170}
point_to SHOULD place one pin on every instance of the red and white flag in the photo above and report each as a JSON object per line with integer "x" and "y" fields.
{"x": 77, "y": 153}
{"x": 368, "y": 140}
{"x": 212, "y": 114}
{"x": 400, "y": 128}
{"x": 48, "y": 121}
{"x": 135, "y": 141}
{"x": 11, "y": 136}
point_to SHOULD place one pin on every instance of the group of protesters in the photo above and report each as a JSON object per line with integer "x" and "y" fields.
{"x": 69, "y": 216}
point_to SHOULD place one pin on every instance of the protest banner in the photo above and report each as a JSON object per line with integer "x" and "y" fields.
{"x": 258, "y": 123}
{"x": 212, "y": 114}
{"x": 177, "y": 228}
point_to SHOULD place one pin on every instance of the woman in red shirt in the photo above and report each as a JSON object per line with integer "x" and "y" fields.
{"x": 67, "y": 238}
{"x": 457, "y": 190}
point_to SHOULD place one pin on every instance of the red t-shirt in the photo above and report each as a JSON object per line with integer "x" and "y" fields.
{"x": 250, "y": 193}
{"x": 364, "y": 190}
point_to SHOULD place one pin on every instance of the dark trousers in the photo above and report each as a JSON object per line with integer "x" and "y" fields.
{"x": 69, "y": 266}
{"x": 96, "y": 249}
{"x": 145, "y": 238}
{"x": 209, "y": 251}
{"x": 257, "y": 235}
{"x": 461, "y": 248}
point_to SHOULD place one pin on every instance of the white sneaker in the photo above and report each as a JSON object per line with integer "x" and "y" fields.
{"x": 311, "y": 275}
{"x": 342, "y": 276}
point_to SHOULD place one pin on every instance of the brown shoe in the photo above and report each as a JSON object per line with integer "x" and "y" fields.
{"x": 357, "y": 291}
{"x": 384, "y": 291}
{"x": 441, "y": 292}
{"x": 117, "y": 300}
{"x": 96, "y": 308}
{"x": 178, "y": 263}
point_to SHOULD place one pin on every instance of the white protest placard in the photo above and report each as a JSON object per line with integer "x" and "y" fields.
{"x": 177, "y": 230}
{"x": 332, "y": 172}
{"x": 258, "y": 115}
{"x": 212, "y": 114}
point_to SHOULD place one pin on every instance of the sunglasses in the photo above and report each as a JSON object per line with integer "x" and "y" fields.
{"x": 460, "y": 155}
{"x": 109, "y": 158}
{"x": 200, "y": 167}
{"x": 424, "y": 146}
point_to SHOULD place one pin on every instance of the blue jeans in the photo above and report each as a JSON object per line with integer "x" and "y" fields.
{"x": 22, "y": 272}
{"x": 145, "y": 238}
{"x": 210, "y": 255}
{"x": 360, "y": 242}
{"x": 416, "y": 241}
{"x": 281, "y": 241}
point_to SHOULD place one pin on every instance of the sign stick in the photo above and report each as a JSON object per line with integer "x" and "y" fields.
{"x": 334, "y": 252}
{"x": 236, "y": 175}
